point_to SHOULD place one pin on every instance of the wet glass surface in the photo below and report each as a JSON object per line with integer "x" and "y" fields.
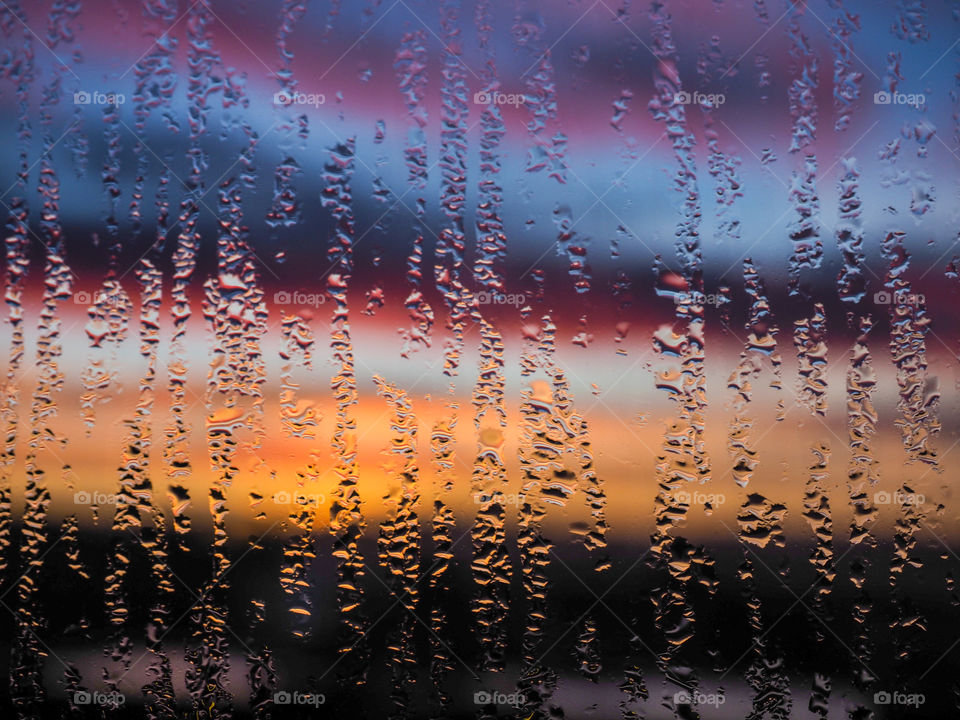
{"x": 479, "y": 358}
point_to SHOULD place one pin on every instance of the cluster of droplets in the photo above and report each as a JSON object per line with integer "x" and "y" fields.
{"x": 556, "y": 441}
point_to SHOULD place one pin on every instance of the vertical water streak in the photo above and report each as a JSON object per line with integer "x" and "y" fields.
{"x": 440, "y": 584}
{"x": 159, "y": 693}
{"x": 491, "y": 239}
{"x": 918, "y": 424}
{"x": 332, "y": 14}
{"x": 761, "y": 343}
{"x": 847, "y": 77}
{"x": 805, "y": 231}
{"x": 236, "y": 312}
{"x": 911, "y": 22}
{"x": 594, "y": 535}
{"x": 410, "y": 64}
{"x": 536, "y": 453}
{"x": 346, "y": 515}
{"x": 851, "y": 282}
{"x": 451, "y": 243}
{"x": 201, "y": 60}
{"x": 298, "y": 418}
{"x": 155, "y": 84}
{"x": 919, "y": 394}
{"x": 285, "y": 209}
{"x": 20, "y": 70}
{"x": 206, "y": 651}
{"x": 816, "y": 510}
{"x": 723, "y": 167}
{"x": 760, "y": 525}
{"x": 399, "y": 544}
{"x": 574, "y": 246}
{"x": 861, "y": 479}
{"x": 28, "y": 652}
{"x": 681, "y": 346}
{"x": 490, "y": 564}
{"x": 110, "y": 315}
{"x": 809, "y": 338}
{"x": 548, "y": 152}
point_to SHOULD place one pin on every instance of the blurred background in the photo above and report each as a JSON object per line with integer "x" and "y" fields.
{"x": 479, "y": 359}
